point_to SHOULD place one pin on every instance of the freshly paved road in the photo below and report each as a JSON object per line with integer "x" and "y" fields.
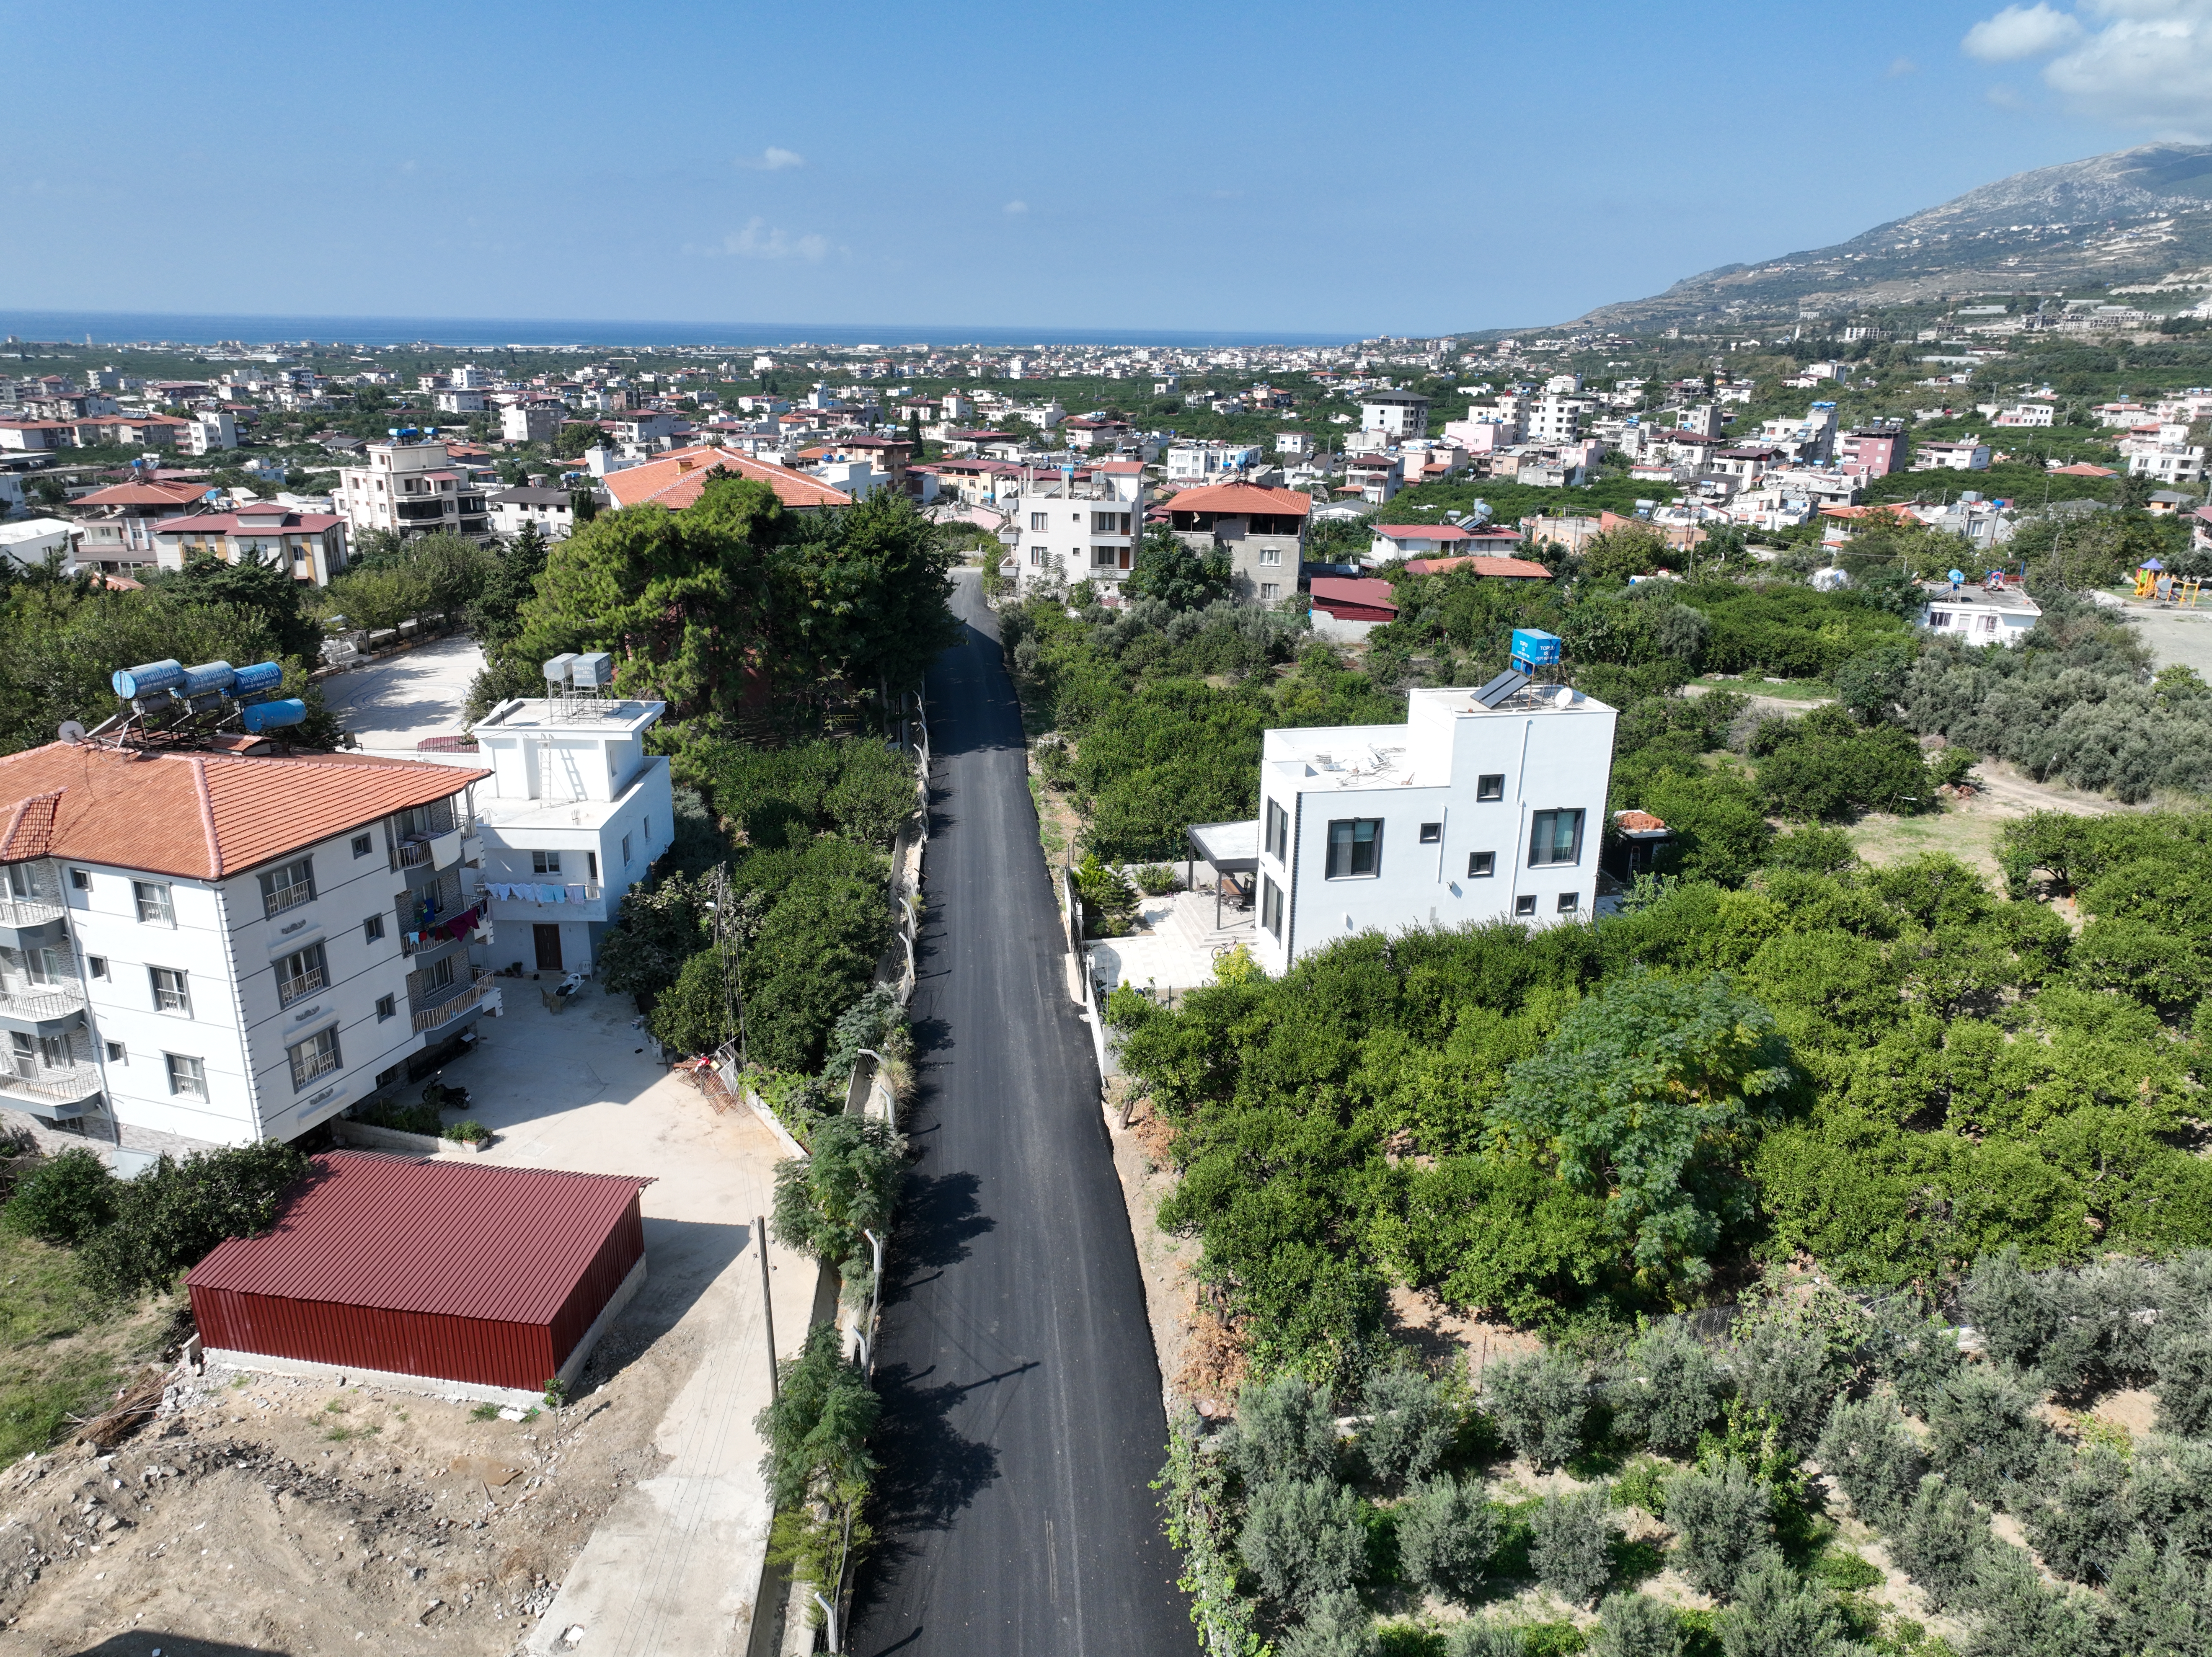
{"x": 1021, "y": 1393}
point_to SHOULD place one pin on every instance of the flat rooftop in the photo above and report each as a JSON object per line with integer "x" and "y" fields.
{"x": 570, "y": 714}
{"x": 2005, "y": 598}
{"x": 1414, "y": 754}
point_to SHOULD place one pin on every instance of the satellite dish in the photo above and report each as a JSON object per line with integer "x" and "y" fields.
{"x": 71, "y": 731}
{"x": 1565, "y": 699}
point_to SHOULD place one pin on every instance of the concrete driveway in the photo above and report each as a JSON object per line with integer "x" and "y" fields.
{"x": 390, "y": 705}
{"x": 674, "y": 1567}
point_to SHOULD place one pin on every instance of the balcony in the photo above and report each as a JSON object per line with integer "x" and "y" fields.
{"x": 41, "y": 1003}
{"x": 22, "y": 911}
{"x": 289, "y": 897}
{"x": 60, "y": 1091}
{"x": 410, "y": 853}
{"x": 307, "y": 1067}
{"x": 289, "y": 989}
{"x": 440, "y": 1007}
{"x": 420, "y": 512}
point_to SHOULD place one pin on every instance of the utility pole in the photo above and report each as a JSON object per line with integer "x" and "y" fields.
{"x": 768, "y": 1307}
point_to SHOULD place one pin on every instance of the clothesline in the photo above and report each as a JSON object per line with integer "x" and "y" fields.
{"x": 532, "y": 892}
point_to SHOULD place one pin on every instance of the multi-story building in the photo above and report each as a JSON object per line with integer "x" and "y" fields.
{"x": 550, "y": 509}
{"x": 1968, "y": 454}
{"x": 201, "y": 947}
{"x": 1263, "y": 531}
{"x": 311, "y": 545}
{"x": 1486, "y": 805}
{"x": 207, "y": 432}
{"x": 1872, "y": 451}
{"x": 1201, "y": 463}
{"x": 532, "y": 422}
{"x": 1076, "y": 526}
{"x": 119, "y": 522}
{"x": 411, "y": 487}
{"x": 1400, "y": 414}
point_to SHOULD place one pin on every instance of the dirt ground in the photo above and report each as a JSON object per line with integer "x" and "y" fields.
{"x": 1968, "y": 829}
{"x": 263, "y": 1513}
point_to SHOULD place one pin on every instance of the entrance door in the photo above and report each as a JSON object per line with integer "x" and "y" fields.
{"x": 549, "y": 947}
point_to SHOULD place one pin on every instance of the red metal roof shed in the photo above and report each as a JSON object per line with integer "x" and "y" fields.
{"x": 1355, "y": 599}
{"x": 445, "y": 1270}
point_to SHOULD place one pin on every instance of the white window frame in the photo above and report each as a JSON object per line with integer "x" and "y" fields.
{"x": 155, "y": 905}
{"x": 187, "y": 1075}
{"x": 171, "y": 999}
{"x": 319, "y": 1051}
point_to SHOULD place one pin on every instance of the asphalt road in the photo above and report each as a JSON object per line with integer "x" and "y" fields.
{"x": 1021, "y": 1394}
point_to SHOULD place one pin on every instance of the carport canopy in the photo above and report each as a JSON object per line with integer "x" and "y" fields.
{"x": 1227, "y": 848}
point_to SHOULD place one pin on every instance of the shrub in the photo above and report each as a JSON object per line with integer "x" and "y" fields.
{"x": 1985, "y": 1437}
{"x": 2013, "y": 1310}
{"x": 1868, "y": 1454}
{"x": 67, "y": 1199}
{"x": 877, "y": 1022}
{"x": 1783, "y": 1366}
{"x": 847, "y": 1185}
{"x": 402, "y": 1118}
{"x": 1636, "y": 1625}
{"x": 1667, "y": 1390}
{"x": 659, "y": 925}
{"x": 818, "y": 1465}
{"x": 1110, "y": 902}
{"x": 468, "y": 1132}
{"x": 1917, "y": 1354}
{"x": 2019, "y": 1616}
{"x": 1446, "y": 1534}
{"x": 1775, "y": 1616}
{"x": 1157, "y": 879}
{"x": 1940, "y": 1541}
{"x": 1826, "y": 765}
{"x": 1541, "y": 1404}
{"x": 1286, "y": 1429}
{"x": 1723, "y": 1521}
{"x": 1572, "y": 1548}
{"x": 1128, "y": 1006}
{"x": 173, "y": 1214}
{"x": 1303, "y": 1538}
{"x": 1411, "y": 1423}
{"x": 1486, "y": 1640}
{"x": 1339, "y": 1626}
{"x": 2184, "y": 1381}
{"x": 2082, "y": 1530}
{"x": 1643, "y": 1484}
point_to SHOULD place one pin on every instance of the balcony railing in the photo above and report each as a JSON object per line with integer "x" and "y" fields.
{"x": 289, "y": 989}
{"x": 64, "y": 1085}
{"x": 443, "y": 1005}
{"x": 44, "y": 1001}
{"x": 308, "y": 1066}
{"x": 29, "y": 911}
{"x": 288, "y": 897}
{"x": 525, "y": 891}
{"x": 411, "y": 852}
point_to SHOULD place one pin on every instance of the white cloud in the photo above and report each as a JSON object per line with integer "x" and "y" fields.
{"x": 758, "y": 241}
{"x": 2022, "y": 32}
{"x": 770, "y": 160}
{"x": 1015, "y": 209}
{"x": 2148, "y": 64}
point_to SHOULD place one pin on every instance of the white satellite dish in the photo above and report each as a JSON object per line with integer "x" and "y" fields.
{"x": 1565, "y": 698}
{"x": 71, "y": 731}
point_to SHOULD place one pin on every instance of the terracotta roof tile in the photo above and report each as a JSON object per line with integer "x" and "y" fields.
{"x": 678, "y": 478}
{"x": 1243, "y": 497}
{"x": 198, "y": 816}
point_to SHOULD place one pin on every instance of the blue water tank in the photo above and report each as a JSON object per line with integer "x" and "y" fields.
{"x": 132, "y": 682}
{"x": 252, "y": 681}
{"x": 1534, "y": 648}
{"x": 274, "y": 716}
{"x": 209, "y": 676}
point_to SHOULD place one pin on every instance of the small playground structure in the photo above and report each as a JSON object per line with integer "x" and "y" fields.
{"x": 2159, "y": 585}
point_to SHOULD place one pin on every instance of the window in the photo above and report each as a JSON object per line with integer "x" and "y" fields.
{"x": 316, "y": 1056}
{"x": 544, "y": 863}
{"x": 153, "y": 900}
{"x": 372, "y": 929}
{"x": 1355, "y": 848}
{"x": 54, "y": 1051}
{"x": 1569, "y": 902}
{"x": 187, "y": 1076}
{"x": 1270, "y": 591}
{"x": 646, "y": 827}
{"x": 96, "y": 965}
{"x": 625, "y": 853}
{"x": 592, "y": 860}
{"x": 80, "y": 879}
{"x": 1480, "y": 865}
{"x": 362, "y": 845}
{"x": 1037, "y": 521}
{"x": 172, "y": 992}
{"x": 1555, "y": 837}
{"x": 22, "y": 1057}
{"x": 1036, "y": 555}
{"x": 1525, "y": 905}
{"x": 300, "y": 974}
{"x": 1490, "y": 787}
{"x": 115, "y": 1054}
{"x": 1432, "y": 834}
{"x": 288, "y": 887}
{"x": 386, "y": 1008}
{"x": 1104, "y": 557}
{"x": 1271, "y": 556}
{"x": 437, "y": 975}
{"x": 1271, "y": 906}
{"x": 1279, "y": 832}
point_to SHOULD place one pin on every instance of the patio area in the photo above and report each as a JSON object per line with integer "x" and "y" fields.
{"x": 1176, "y": 945}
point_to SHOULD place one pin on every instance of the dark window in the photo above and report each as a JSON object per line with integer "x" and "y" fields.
{"x": 1355, "y": 848}
{"x": 96, "y": 965}
{"x": 361, "y": 846}
{"x": 1480, "y": 865}
{"x": 1555, "y": 837}
{"x": 1271, "y": 906}
{"x": 387, "y": 1007}
{"x": 1525, "y": 905}
{"x": 1490, "y": 787}
{"x": 82, "y": 879}
{"x": 1569, "y": 902}
{"x": 372, "y": 929}
{"x": 1279, "y": 832}
{"x": 1432, "y": 834}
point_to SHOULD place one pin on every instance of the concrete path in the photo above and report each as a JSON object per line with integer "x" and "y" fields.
{"x": 392, "y": 704}
{"x": 673, "y": 1570}
{"x": 1023, "y": 1422}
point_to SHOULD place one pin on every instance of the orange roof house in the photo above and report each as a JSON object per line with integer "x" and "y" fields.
{"x": 679, "y": 477}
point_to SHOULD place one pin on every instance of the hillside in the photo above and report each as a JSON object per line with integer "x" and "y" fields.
{"x": 2133, "y": 216}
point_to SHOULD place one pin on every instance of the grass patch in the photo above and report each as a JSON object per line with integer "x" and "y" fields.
{"x": 1969, "y": 836}
{"x": 484, "y": 1413}
{"x": 342, "y": 1434}
{"x": 63, "y": 1350}
{"x": 1787, "y": 691}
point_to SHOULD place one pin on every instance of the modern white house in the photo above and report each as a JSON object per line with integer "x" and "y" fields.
{"x": 1075, "y": 525}
{"x": 213, "y": 945}
{"x": 1978, "y": 616}
{"x": 1486, "y": 805}
{"x": 411, "y": 487}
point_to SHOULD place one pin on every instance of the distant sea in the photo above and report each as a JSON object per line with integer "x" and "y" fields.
{"x": 131, "y": 327}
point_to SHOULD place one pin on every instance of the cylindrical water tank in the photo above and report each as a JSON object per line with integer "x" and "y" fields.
{"x": 252, "y": 681}
{"x": 274, "y": 716}
{"x": 130, "y": 683}
{"x": 208, "y": 677}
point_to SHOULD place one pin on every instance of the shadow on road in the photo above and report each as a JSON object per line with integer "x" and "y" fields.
{"x": 928, "y": 1473}
{"x": 939, "y": 1217}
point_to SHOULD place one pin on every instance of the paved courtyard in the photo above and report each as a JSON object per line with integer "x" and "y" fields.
{"x": 1174, "y": 946}
{"x": 392, "y": 704}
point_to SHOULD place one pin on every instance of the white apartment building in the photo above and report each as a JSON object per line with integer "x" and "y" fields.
{"x": 203, "y": 947}
{"x": 1968, "y": 454}
{"x": 575, "y": 814}
{"x": 1486, "y": 805}
{"x": 2167, "y": 463}
{"x": 1205, "y": 463}
{"x": 551, "y": 510}
{"x": 1400, "y": 414}
{"x": 1077, "y": 527}
{"x": 206, "y": 433}
{"x": 411, "y": 487}
{"x": 1554, "y": 419}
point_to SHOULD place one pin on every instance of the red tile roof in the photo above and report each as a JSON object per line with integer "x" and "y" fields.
{"x": 1243, "y": 497}
{"x": 1639, "y": 823}
{"x": 144, "y": 494}
{"x": 249, "y": 523}
{"x": 506, "y": 1245}
{"x": 1338, "y": 593}
{"x": 2085, "y": 469}
{"x": 678, "y": 478}
{"x": 1420, "y": 532}
{"x": 198, "y": 816}
{"x": 1509, "y": 569}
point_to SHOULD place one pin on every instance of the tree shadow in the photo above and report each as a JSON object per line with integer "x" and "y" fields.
{"x": 939, "y": 1217}
{"x": 927, "y": 1473}
{"x": 139, "y": 1642}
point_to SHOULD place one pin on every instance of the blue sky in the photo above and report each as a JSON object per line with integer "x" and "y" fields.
{"x": 1407, "y": 168}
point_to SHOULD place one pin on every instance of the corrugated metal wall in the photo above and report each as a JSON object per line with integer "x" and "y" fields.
{"x": 437, "y": 1345}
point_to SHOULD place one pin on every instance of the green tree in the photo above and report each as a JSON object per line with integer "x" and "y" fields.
{"x": 1170, "y": 569}
{"x": 847, "y": 1185}
{"x": 69, "y": 1199}
{"x": 1571, "y": 1548}
{"x": 171, "y": 1216}
{"x": 818, "y": 1466}
{"x": 659, "y": 927}
{"x": 494, "y": 615}
{"x": 1722, "y": 1521}
{"x": 1446, "y": 1534}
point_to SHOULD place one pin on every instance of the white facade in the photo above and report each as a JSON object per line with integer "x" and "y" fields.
{"x": 1083, "y": 529}
{"x": 1464, "y": 814}
{"x": 1978, "y": 618}
{"x": 206, "y": 433}
{"x": 1205, "y": 462}
{"x": 410, "y": 488}
{"x": 575, "y": 814}
{"x": 1400, "y": 414}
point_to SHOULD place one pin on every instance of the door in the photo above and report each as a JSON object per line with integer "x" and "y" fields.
{"x": 549, "y": 947}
